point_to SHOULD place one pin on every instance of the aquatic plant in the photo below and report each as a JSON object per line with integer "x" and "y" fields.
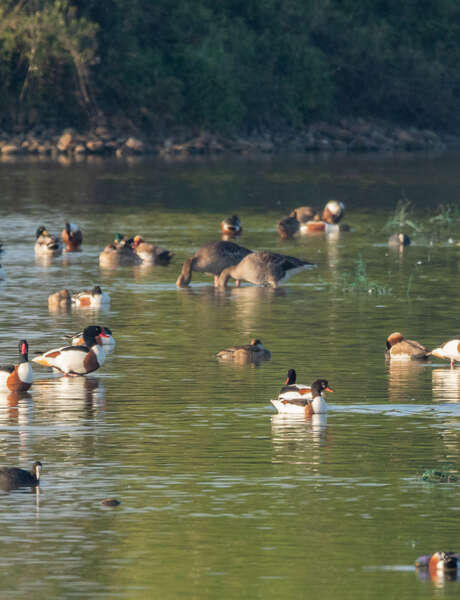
{"x": 436, "y": 476}
{"x": 402, "y": 219}
{"x": 359, "y": 281}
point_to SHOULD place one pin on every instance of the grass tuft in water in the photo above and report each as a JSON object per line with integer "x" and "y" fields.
{"x": 436, "y": 476}
{"x": 358, "y": 281}
{"x": 402, "y": 218}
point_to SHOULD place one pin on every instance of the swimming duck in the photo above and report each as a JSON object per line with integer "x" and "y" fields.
{"x": 329, "y": 222}
{"x": 151, "y": 254}
{"x": 212, "y": 259}
{"x": 399, "y": 240}
{"x": 333, "y": 212}
{"x": 308, "y": 402}
{"x": 59, "y": 300}
{"x": 439, "y": 561}
{"x": 400, "y": 348}
{"x": 18, "y": 378}
{"x": 13, "y": 477}
{"x": 291, "y": 389}
{"x": 252, "y": 352}
{"x": 46, "y": 244}
{"x": 76, "y": 360}
{"x": 264, "y": 268}
{"x": 231, "y": 227}
{"x": 91, "y": 298}
{"x": 72, "y": 237}
{"x": 449, "y": 350}
{"x": 119, "y": 253}
{"x": 288, "y": 227}
{"x": 106, "y": 337}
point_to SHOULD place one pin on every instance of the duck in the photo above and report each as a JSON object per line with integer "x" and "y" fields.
{"x": 46, "y": 244}
{"x": 106, "y": 337}
{"x": 449, "y": 350}
{"x": 401, "y": 349}
{"x": 94, "y": 298}
{"x": 211, "y": 258}
{"x": 59, "y": 300}
{"x": 291, "y": 389}
{"x": 151, "y": 254}
{"x": 231, "y": 227}
{"x": 291, "y": 225}
{"x": 14, "y": 477}
{"x": 76, "y": 360}
{"x": 252, "y": 352}
{"x": 329, "y": 221}
{"x": 119, "y": 253}
{"x": 309, "y": 401}
{"x": 18, "y": 378}
{"x": 399, "y": 240}
{"x": 72, "y": 237}
{"x": 439, "y": 561}
{"x": 264, "y": 268}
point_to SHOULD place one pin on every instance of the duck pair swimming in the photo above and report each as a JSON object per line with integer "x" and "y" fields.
{"x": 306, "y": 219}
{"x": 225, "y": 260}
{"x": 295, "y": 398}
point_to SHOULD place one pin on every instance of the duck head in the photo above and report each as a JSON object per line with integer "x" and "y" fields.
{"x": 23, "y": 351}
{"x": 291, "y": 377}
{"x": 41, "y": 231}
{"x": 394, "y": 338}
{"x": 319, "y": 386}
{"x": 91, "y": 335}
{"x": 333, "y": 212}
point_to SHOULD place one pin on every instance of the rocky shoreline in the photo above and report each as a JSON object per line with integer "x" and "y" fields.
{"x": 346, "y": 135}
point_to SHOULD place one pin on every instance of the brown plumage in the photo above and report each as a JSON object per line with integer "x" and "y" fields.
{"x": 59, "y": 300}
{"x": 399, "y": 347}
{"x": 252, "y": 352}
{"x": 72, "y": 237}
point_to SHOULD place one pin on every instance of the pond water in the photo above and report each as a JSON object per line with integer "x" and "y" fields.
{"x": 221, "y": 497}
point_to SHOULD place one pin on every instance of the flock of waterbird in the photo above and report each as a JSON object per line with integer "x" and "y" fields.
{"x": 224, "y": 260}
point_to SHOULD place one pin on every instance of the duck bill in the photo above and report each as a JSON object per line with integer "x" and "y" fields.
{"x": 328, "y": 389}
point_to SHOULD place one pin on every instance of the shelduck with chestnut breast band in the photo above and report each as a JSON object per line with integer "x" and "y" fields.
{"x": 76, "y": 360}
{"x": 301, "y": 399}
{"x": 17, "y": 378}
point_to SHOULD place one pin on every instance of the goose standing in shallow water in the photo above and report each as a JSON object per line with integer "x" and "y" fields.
{"x": 401, "y": 349}
{"x": 212, "y": 259}
{"x": 252, "y": 352}
{"x": 76, "y": 360}
{"x": 307, "y": 403}
{"x": 72, "y": 237}
{"x": 18, "y": 378}
{"x": 264, "y": 268}
{"x": 13, "y": 477}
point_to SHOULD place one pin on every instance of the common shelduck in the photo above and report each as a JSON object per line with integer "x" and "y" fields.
{"x": 439, "y": 561}
{"x": 231, "y": 227}
{"x": 46, "y": 244}
{"x": 398, "y": 240}
{"x": 308, "y": 402}
{"x": 106, "y": 337}
{"x": 151, "y": 254}
{"x": 449, "y": 350}
{"x": 211, "y": 258}
{"x": 18, "y": 378}
{"x": 252, "y": 352}
{"x": 59, "y": 300}
{"x": 264, "y": 268}
{"x": 72, "y": 237}
{"x": 401, "y": 349}
{"x": 76, "y": 360}
{"x": 94, "y": 298}
{"x": 13, "y": 477}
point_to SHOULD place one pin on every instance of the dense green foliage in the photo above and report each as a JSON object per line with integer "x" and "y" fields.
{"x": 229, "y": 64}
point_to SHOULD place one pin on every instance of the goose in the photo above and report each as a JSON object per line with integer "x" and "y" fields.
{"x": 18, "y": 378}
{"x": 252, "y": 352}
{"x": 449, "y": 350}
{"x": 401, "y": 349}
{"x": 264, "y": 268}
{"x": 151, "y": 254}
{"x": 310, "y": 402}
{"x": 76, "y": 360}
{"x": 72, "y": 237}
{"x": 46, "y": 244}
{"x": 13, "y": 477}
{"x": 212, "y": 259}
